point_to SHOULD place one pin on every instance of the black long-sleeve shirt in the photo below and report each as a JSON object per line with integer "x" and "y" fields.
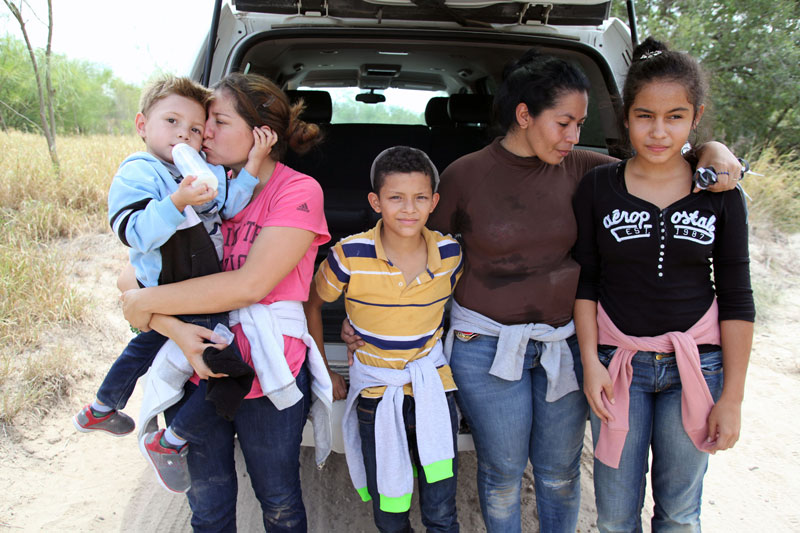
{"x": 651, "y": 268}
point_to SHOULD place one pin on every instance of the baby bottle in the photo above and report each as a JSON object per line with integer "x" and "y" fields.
{"x": 189, "y": 162}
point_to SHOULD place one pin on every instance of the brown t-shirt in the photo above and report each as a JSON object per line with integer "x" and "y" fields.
{"x": 515, "y": 217}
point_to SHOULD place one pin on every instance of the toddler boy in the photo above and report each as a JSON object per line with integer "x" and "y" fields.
{"x": 172, "y": 228}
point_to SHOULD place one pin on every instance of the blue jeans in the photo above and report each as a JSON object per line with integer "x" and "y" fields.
{"x": 270, "y": 441}
{"x": 654, "y": 418}
{"x": 136, "y": 358}
{"x": 437, "y": 500}
{"x": 511, "y": 422}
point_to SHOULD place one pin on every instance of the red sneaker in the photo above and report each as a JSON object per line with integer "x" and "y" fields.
{"x": 115, "y": 423}
{"x": 172, "y": 470}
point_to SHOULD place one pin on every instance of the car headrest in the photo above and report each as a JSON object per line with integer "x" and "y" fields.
{"x": 319, "y": 107}
{"x": 470, "y": 108}
{"x": 436, "y": 112}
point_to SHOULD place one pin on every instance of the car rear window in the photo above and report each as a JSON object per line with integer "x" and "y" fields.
{"x": 402, "y": 106}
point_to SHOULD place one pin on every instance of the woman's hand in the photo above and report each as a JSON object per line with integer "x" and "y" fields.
{"x": 597, "y": 380}
{"x": 724, "y": 424}
{"x": 263, "y": 141}
{"x": 132, "y": 309}
{"x": 726, "y": 165}
{"x": 339, "y": 385}
{"x": 192, "y": 340}
{"x": 350, "y": 338}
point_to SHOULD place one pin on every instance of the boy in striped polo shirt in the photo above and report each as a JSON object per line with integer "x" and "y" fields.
{"x": 400, "y": 419}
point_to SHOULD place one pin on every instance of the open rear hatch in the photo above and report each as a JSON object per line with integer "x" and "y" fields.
{"x": 465, "y": 12}
{"x": 375, "y": 45}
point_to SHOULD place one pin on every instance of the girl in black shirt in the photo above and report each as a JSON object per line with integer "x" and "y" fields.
{"x": 647, "y": 247}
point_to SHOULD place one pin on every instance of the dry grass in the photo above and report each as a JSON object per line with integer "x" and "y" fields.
{"x": 37, "y": 208}
{"x": 44, "y": 378}
{"x": 774, "y": 212}
{"x": 775, "y": 196}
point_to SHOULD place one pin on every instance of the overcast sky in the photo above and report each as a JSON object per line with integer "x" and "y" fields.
{"x": 136, "y": 37}
{"x": 133, "y": 37}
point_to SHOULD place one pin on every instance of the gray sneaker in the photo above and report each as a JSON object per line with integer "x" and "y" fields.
{"x": 170, "y": 465}
{"x": 115, "y": 423}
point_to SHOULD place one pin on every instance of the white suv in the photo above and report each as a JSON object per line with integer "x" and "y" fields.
{"x": 449, "y": 54}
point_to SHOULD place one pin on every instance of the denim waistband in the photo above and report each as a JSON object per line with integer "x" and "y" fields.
{"x": 702, "y": 348}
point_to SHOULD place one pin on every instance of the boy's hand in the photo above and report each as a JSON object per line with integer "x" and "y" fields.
{"x": 188, "y": 194}
{"x": 724, "y": 424}
{"x": 263, "y": 141}
{"x": 352, "y": 340}
{"x": 339, "y": 386}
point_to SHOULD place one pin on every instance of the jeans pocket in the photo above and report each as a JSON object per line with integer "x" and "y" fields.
{"x": 711, "y": 363}
{"x": 711, "y": 367}
{"x": 365, "y": 409}
{"x": 605, "y": 355}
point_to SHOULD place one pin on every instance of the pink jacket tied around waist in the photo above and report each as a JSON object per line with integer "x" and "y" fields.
{"x": 696, "y": 400}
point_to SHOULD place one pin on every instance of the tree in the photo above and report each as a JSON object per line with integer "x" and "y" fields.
{"x": 46, "y": 92}
{"x": 87, "y": 99}
{"x": 751, "y": 52}
{"x": 17, "y": 92}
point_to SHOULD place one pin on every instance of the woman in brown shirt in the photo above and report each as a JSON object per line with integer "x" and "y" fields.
{"x": 515, "y": 356}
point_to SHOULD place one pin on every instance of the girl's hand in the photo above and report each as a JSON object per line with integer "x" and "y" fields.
{"x": 339, "y": 385}
{"x": 724, "y": 424}
{"x": 131, "y": 308}
{"x": 727, "y": 166}
{"x": 596, "y": 380}
{"x": 350, "y": 338}
{"x": 263, "y": 141}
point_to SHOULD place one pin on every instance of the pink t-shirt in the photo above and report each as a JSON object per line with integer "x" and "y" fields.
{"x": 289, "y": 199}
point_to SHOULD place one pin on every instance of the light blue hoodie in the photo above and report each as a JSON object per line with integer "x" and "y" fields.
{"x": 143, "y": 216}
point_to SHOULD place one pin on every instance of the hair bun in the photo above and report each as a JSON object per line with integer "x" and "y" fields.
{"x": 648, "y": 48}
{"x": 301, "y": 135}
{"x": 531, "y": 56}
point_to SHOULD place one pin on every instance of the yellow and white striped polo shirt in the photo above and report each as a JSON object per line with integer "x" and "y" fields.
{"x": 398, "y": 323}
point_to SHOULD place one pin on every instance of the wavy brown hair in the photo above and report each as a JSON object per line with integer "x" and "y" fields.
{"x": 262, "y": 103}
